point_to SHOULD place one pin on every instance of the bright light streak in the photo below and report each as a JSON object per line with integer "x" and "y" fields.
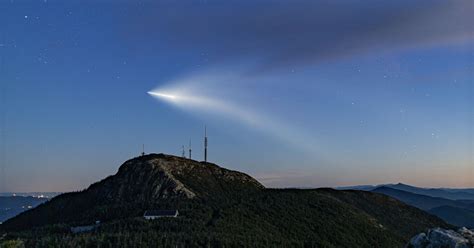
{"x": 166, "y": 96}
{"x": 208, "y": 104}
{"x": 182, "y": 98}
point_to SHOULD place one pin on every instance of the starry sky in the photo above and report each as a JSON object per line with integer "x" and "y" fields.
{"x": 298, "y": 93}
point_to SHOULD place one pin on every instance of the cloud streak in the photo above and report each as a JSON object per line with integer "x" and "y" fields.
{"x": 281, "y": 33}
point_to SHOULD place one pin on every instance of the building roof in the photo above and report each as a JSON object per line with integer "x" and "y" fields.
{"x": 161, "y": 213}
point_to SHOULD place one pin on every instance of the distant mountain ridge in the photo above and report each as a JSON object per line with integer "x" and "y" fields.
{"x": 447, "y": 193}
{"x": 422, "y": 201}
{"x": 217, "y": 206}
{"x": 456, "y": 212}
{"x": 452, "y": 194}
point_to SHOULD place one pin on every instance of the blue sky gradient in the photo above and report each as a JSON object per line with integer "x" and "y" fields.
{"x": 364, "y": 92}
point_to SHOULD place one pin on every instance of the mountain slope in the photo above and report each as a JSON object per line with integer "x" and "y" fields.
{"x": 455, "y": 212}
{"x": 447, "y": 193}
{"x": 422, "y": 201}
{"x": 452, "y": 194}
{"x": 217, "y": 207}
{"x": 392, "y": 214}
{"x": 456, "y": 216}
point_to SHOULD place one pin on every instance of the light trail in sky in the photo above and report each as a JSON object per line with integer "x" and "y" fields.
{"x": 182, "y": 98}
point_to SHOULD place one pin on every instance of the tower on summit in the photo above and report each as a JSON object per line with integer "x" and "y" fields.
{"x": 190, "y": 150}
{"x": 205, "y": 144}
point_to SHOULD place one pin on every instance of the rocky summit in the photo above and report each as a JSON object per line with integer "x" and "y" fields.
{"x": 156, "y": 176}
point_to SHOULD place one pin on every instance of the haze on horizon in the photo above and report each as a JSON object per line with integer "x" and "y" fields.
{"x": 296, "y": 94}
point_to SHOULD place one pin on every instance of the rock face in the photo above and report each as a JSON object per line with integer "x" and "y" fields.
{"x": 157, "y": 176}
{"x": 443, "y": 238}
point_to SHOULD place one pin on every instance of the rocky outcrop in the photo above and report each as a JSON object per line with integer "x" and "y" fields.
{"x": 157, "y": 176}
{"x": 443, "y": 238}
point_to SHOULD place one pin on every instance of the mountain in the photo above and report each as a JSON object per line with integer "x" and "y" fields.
{"x": 453, "y": 194}
{"x": 358, "y": 187}
{"x": 217, "y": 207}
{"x": 140, "y": 183}
{"x": 456, "y": 216}
{"x": 13, "y": 205}
{"x": 455, "y": 212}
{"x": 422, "y": 201}
{"x": 447, "y": 193}
{"x": 465, "y": 190}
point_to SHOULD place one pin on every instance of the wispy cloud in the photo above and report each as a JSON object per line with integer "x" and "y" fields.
{"x": 279, "y": 33}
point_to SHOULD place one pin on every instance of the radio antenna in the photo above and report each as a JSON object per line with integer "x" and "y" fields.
{"x": 190, "y": 150}
{"x": 205, "y": 144}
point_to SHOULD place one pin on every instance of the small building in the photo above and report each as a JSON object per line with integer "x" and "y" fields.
{"x": 154, "y": 214}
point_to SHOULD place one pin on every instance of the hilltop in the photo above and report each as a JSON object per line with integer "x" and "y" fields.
{"x": 217, "y": 207}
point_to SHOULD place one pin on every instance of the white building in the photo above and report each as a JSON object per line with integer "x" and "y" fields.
{"x": 154, "y": 214}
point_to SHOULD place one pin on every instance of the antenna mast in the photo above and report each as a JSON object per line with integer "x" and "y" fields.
{"x": 205, "y": 144}
{"x": 190, "y": 150}
{"x": 183, "y": 154}
{"x": 143, "y": 149}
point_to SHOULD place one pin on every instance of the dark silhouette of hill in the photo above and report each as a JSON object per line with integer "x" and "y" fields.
{"x": 218, "y": 207}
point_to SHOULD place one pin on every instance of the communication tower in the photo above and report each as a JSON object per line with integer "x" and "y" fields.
{"x": 205, "y": 144}
{"x": 190, "y": 150}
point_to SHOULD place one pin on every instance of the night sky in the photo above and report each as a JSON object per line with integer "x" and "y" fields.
{"x": 294, "y": 93}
